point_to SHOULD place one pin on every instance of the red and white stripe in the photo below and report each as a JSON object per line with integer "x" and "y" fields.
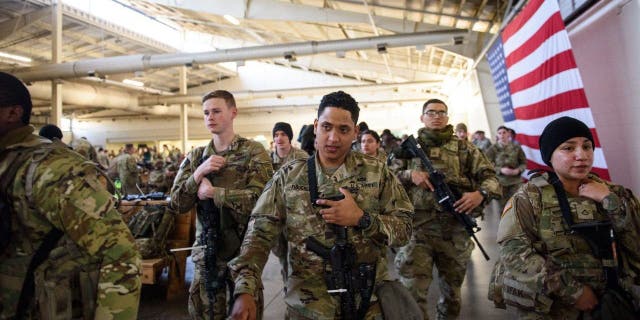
{"x": 544, "y": 80}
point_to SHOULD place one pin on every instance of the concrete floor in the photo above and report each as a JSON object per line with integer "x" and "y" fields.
{"x": 474, "y": 290}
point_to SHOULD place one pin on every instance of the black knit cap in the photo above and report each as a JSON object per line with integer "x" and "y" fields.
{"x": 50, "y": 131}
{"x": 557, "y": 132}
{"x": 284, "y": 127}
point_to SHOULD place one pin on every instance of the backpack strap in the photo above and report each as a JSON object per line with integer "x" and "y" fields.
{"x": 50, "y": 240}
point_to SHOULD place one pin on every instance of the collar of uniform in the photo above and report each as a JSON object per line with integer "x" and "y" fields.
{"x": 20, "y": 137}
{"x": 234, "y": 145}
{"x": 346, "y": 170}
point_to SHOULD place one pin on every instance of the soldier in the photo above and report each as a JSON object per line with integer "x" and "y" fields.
{"x": 85, "y": 148}
{"x": 158, "y": 181}
{"x": 284, "y": 151}
{"x": 232, "y": 171}
{"x": 461, "y": 131}
{"x": 553, "y": 270}
{"x": 53, "y": 133}
{"x": 370, "y": 144}
{"x": 128, "y": 170}
{"x": 437, "y": 238}
{"x": 509, "y": 161}
{"x": 480, "y": 141}
{"x": 64, "y": 251}
{"x": 375, "y": 209}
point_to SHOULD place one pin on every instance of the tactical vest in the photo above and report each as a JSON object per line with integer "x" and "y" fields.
{"x": 567, "y": 249}
{"x": 452, "y": 160}
{"x": 232, "y": 231}
{"x": 554, "y": 240}
{"x": 64, "y": 289}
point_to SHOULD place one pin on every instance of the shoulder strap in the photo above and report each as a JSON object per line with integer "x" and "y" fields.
{"x": 562, "y": 198}
{"x": 313, "y": 180}
{"x": 28, "y": 286}
{"x": 50, "y": 240}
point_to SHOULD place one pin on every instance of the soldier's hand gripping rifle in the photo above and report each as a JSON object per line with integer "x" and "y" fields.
{"x": 343, "y": 278}
{"x": 443, "y": 193}
{"x": 213, "y": 277}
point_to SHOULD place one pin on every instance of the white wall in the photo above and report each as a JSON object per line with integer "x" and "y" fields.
{"x": 606, "y": 46}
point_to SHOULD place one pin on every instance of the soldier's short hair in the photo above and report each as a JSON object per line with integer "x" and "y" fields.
{"x": 424, "y": 106}
{"x": 14, "y": 93}
{"x": 221, "y": 94}
{"x": 128, "y": 146}
{"x": 341, "y": 100}
{"x": 372, "y": 133}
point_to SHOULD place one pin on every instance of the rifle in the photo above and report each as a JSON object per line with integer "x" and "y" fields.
{"x": 213, "y": 277}
{"x": 342, "y": 278}
{"x": 445, "y": 197}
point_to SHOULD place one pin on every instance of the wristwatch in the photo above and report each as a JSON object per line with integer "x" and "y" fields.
{"x": 611, "y": 202}
{"x": 485, "y": 194}
{"x": 364, "y": 222}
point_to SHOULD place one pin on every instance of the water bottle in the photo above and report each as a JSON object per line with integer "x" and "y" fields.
{"x": 118, "y": 185}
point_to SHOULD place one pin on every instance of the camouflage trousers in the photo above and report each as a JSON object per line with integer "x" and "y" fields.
{"x": 414, "y": 263}
{"x": 199, "y": 301}
{"x": 373, "y": 313}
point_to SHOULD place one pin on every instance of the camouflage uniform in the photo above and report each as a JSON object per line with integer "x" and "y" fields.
{"x": 511, "y": 156}
{"x": 546, "y": 264}
{"x": 285, "y": 206}
{"x": 295, "y": 153}
{"x": 280, "y": 249}
{"x": 438, "y": 238}
{"x": 238, "y": 186}
{"x": 158, "y": 181}
{"x": 84, "y": 147}
{"x": 96, "y": 252}
{"x": 483, "y": 144}
{"x": 128, "y": 173}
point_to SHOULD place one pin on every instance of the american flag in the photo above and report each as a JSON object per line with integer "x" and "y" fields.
{"x": 537, "y": 79}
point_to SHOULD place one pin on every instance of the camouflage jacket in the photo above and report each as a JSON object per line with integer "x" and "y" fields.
{"x": 543, "y": 257}
{"x": 510, "y": 156}
{"x": 483, "y": 144}
{"x": 285, "y": 207}
{"x": 64, "y": 193}
{"x": 294, "y": 153}
{"x": 465, "y": 167}
{"x": 84, "y": 147}
{"x": 238, "y": 184}
{"x": 128, "y": 173}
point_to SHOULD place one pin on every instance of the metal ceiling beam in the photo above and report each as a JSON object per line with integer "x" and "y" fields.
{"x": 132, "y": 63}
{"x": 280, "y": 10}
{"x": 291, "y": 92}
{"x": 14, "y": 25}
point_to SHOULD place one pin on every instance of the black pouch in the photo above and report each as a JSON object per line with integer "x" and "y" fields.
{"x": 396, "y": 302}
{"x": 615, "y": 304}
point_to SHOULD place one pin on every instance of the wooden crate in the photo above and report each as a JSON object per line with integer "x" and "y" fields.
{"x": 151, "y": 269}
{"x": 181, "y": 236}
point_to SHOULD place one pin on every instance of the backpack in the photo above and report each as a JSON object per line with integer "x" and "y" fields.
{"x": 150, "y": 228}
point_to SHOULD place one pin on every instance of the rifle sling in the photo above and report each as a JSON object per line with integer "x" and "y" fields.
{"x": 611, "y": 272}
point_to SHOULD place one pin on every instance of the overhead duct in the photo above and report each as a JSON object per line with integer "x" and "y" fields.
{"x": 132, "y": 63}
{"x": 289, "y": 92}
{"x": 86, "y": 95}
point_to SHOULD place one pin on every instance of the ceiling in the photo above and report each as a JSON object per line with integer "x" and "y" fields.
{"x": 26, "y": 31}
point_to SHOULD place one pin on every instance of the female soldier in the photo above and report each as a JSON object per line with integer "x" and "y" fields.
{"x": 370, "y": 144}
{"x": 554, "y": 265}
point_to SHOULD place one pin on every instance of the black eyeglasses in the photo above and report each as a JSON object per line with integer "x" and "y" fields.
{"x": 434, "y": 113}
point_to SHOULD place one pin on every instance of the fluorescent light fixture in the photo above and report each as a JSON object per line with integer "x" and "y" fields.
{"x": 231, "y": 19}
{"x": 14, "y": 57}
{"x": 133, "y": 82}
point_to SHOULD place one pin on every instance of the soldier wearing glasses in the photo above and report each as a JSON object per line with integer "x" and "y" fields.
{"x": 437, "y": 238}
